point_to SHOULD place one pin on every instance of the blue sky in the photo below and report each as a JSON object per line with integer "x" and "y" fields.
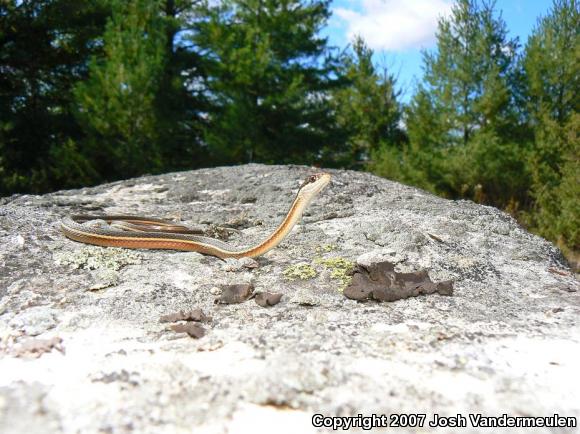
{"x": 398, "y": 29}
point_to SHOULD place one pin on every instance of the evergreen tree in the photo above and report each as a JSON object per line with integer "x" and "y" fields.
{"x": 462, "y": 121}
{"x": 367, "y": 109}
{"x": 552, "y": 91}
{"x": 420, "y": 161}
{"x": 117, "y": 104}
{"x": 470, "y": 74}
{"x": 268, "y": 79}
{"x": 182, "y": 103}
{"x": 44, "y": 47}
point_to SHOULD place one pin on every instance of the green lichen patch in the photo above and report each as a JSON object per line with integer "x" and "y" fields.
{"x": 325, "y": 248}
{"x": 341, "y": 269}
{"x": 98, "y": 258}
{"x": 105, "y": 279}
{"x": 300, "y": 271}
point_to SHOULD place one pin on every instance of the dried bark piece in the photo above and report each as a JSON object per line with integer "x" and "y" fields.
{"x": 381, "y": 282}
{"x": 236, "y": 293}
{"x": 198, "y": 315}
{"x": 357, "y": 291}
{"x": 266, "y": 299}
{"x": 192, "y": 315}
{"x": 192, "y": 329}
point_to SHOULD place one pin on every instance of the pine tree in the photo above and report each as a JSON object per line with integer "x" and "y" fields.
{"x": 462, "y": 121}
{"x": 367, "y": 109}
{"x": 552, "y": 92}
{"x": 116, "y": 105}
{"x": 182, "y": 102}
{"x": 422, "y": 162}
{"x": 44, "y": 48}
{"x": 268, "y": 79}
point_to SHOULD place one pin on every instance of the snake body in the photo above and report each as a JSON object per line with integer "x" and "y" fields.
{"x": 152, "y": 233}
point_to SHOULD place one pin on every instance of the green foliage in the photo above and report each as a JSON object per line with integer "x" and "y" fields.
{"x": 420, "y": 161}
{"x": 44, "y": 47}
{"x": 483, "y": 127}
{"x": 367, "y": 109}
{"x": 70, "y": 161}
{"x": 565, "y": 225}
{"x": 551, "y": 62}
{"x": 551, "y": 91}
{"x": 182, "y": 102}
{"x": 116, "y": 105}
{"x": 269, "y": 74}
{"x": 461, "y": 122}
{"x": 493, "y": 171}
{"x": 470, "y": 74}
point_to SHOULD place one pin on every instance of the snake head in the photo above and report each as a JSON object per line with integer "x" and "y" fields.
{"x": 313, "y": 184}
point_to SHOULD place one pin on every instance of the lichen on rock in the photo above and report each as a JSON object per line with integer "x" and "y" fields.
{"x": 301, "y": 271}
{"x": 341, "y": 269}
{"x": 94, "y": 258}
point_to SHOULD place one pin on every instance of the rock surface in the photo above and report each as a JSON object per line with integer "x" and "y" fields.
{"x": 506, "y": 341}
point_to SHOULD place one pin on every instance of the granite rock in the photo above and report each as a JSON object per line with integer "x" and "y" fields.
{"x": 507, "y": 341}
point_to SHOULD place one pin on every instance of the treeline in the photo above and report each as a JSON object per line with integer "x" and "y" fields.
{"x": 497, "y": 123}
{"x": 92, "y": 91}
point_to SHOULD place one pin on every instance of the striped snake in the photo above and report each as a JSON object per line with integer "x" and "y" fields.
{"x": 150, "y": 233}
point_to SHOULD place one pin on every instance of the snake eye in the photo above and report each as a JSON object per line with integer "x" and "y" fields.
{"x": 309, "y": 180}
{"x": 312, "y": 179}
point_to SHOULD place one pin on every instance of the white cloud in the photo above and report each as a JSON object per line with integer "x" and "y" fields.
{"x": 394, "y": 25}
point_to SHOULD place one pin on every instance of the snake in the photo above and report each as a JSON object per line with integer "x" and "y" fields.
{"x": 138, "y": 232}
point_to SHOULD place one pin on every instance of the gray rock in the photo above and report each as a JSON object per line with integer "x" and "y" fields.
{"x": 507, "y": 341}
{"x": 34, "y": 321}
